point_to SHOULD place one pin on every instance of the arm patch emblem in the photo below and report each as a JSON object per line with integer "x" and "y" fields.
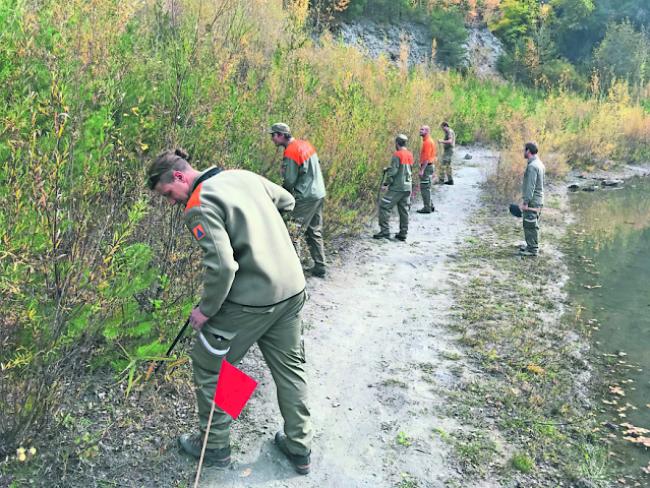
{"x": 198, "y": 232}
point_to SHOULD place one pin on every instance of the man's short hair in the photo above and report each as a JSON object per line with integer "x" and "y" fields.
{"x": 401, "y": 140}
{"x": 531, "y": 146}
{"x": 160, "y": 171}
{"x": 444, "y": 124}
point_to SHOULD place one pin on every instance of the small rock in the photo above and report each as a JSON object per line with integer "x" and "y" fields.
{"x": 612, "y": 182}
{"x": 468, "y": 156}
{"x": 584, "y": 483}
{"x": 611, "y": 426}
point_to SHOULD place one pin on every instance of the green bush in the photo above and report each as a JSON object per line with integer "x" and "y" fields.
{"x": 449, "y": 31}
{"x": 522, "y": 462}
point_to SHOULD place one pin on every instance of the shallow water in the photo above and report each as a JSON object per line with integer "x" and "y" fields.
{"x": 610, "y": 285}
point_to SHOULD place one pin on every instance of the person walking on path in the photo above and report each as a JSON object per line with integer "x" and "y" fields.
{"x": 302, "y": 176}
{"x": 532, "y": 193}
{"x": 427, "y": 168}
{"x": 253, "y": 292}
{"x": 398, "y": 184}
{"x": 448, "y": 144}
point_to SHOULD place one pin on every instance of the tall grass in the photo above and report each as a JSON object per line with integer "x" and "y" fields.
{"x": 92, "y": 269}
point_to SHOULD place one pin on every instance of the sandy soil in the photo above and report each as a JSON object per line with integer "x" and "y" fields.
{"x": 378, "y": 355}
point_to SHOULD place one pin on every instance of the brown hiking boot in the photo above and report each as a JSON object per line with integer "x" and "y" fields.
{"x": 301, "y": 464}
{"x": 192, "y": 443}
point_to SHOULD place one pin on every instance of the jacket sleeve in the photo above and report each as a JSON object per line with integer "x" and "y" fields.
{"x": 282, "y": 199}
{"x": 290, "y": 172}
{"x": 392, "y": 170}
{"x": 528, "y": 187}
{"x": 219, "y": 264}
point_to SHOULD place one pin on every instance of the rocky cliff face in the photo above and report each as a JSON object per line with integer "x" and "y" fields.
{"x": 375, "y": 39}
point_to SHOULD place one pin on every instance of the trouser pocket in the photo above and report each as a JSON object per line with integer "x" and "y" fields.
{"x": 208, "y": 351}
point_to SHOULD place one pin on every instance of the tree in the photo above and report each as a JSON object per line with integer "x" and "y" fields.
{"x": 623, "y": 54}
{"x": 517, "y": 20}
{"x": 572, "y": 26}
{"x": 449, "y": 31}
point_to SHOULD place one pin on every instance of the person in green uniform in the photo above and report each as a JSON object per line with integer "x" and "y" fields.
{"x": 532, "y": 192}
{"x": 253, "y": 292}
{"x": 398, "y": 185}
{"x": 302, "y": 176}
{"x": 448, "y": 143}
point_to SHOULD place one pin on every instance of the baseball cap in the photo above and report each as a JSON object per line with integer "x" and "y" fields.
{"x": 280, "y": 128}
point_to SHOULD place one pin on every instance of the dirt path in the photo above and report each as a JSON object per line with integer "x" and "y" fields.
{"x": 378, "y": 355}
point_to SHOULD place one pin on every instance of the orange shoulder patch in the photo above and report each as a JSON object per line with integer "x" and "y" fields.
{"x": 405, "y": 156}
{"x": 299, "y": 151}
{"x": 194, "y": 198}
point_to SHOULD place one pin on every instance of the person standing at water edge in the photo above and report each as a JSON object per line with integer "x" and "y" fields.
{"x": 302, "y": 176}
{"x": 398, "y": 183}
{"x": 448, "y": 144}
{"x": 427, "y": 158}
{"x": 532, "y": 192}
{"x": 253, "y": 292}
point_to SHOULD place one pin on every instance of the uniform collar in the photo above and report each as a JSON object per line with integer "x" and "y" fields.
{"x": 208, "y": 173}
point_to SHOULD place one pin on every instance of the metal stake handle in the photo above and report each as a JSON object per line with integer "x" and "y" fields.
{"x": 171, "y": 348}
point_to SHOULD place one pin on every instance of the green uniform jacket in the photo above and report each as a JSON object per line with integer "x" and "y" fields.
{"x": 532, "y": 189}
{"x": 248, "y": 256}
{"x": 448, "y": 148}
{"x": 398, "y": 174}
{"x": 301, "y": 171}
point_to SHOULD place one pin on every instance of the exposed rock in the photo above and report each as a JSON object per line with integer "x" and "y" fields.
{"x": 483, "y": 50}
{"x": 612, "y": 182}
{"x": 375, "y": 39}
{"x": 468, "y": 156}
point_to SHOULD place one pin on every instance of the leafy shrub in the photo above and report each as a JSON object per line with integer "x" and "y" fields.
{"x": 449, "y": 31}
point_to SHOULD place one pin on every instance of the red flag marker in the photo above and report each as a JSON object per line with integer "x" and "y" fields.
{"x": 234, "y": 388}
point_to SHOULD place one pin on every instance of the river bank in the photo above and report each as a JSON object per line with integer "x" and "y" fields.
{"x": 541, "y": 381}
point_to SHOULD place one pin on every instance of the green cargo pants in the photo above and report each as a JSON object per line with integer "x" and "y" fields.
{"x": 445, "y": 169}
{"x": 531, "y": 230}
{"x": 308, "y": 215}
{"x": 425, "y": 186}
{"x": 230, "y": 334}
{"x": 403, "y": 201}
